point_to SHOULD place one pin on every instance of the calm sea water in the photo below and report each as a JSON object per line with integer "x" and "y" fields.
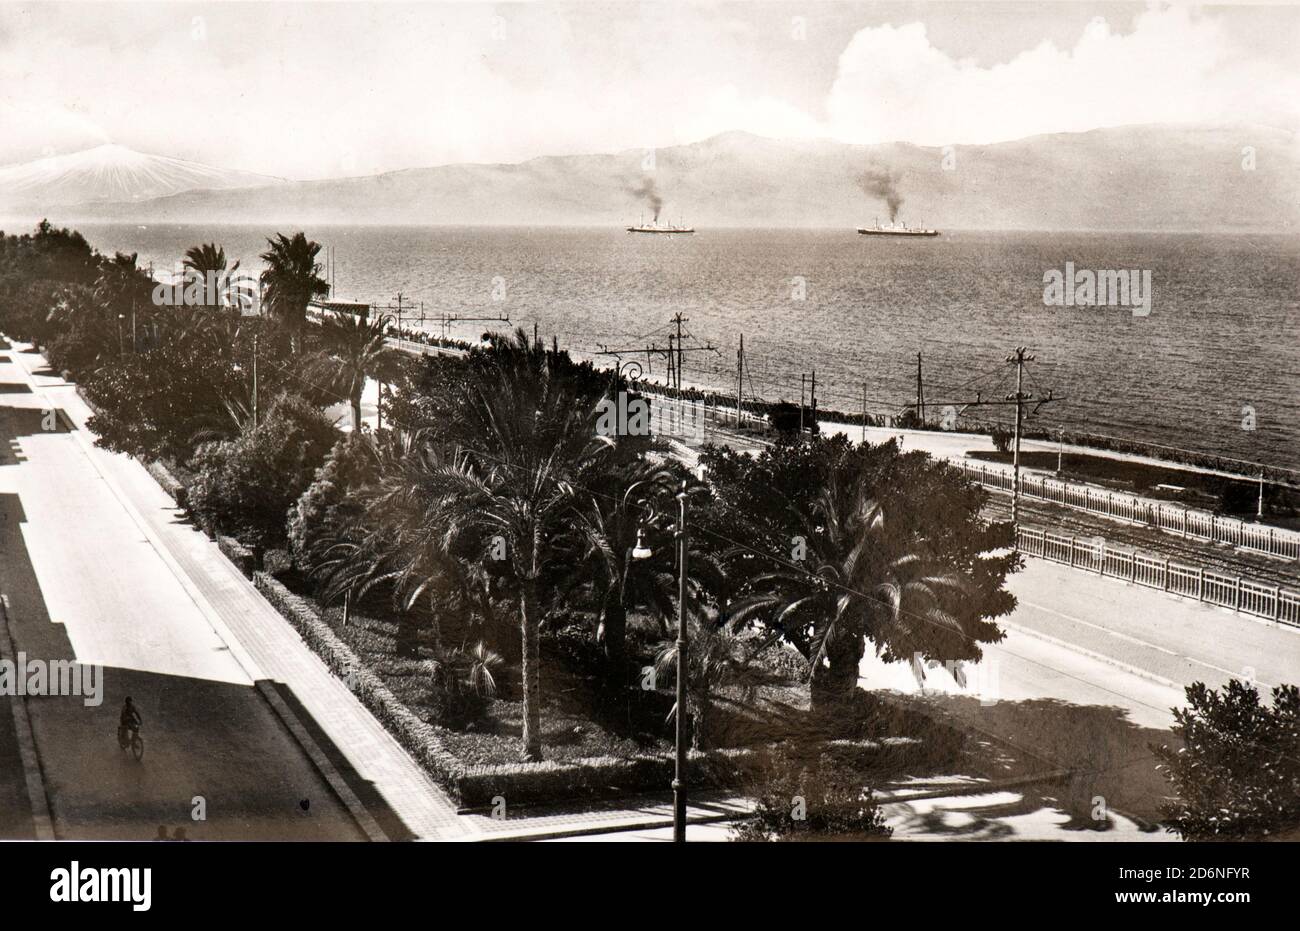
{"x": 1221, "y": 336}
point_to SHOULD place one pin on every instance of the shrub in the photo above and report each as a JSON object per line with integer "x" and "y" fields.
{"x": 801, "y": 800}
{"x": 329, "y": 502}
{"x": 246, "y": 486}
{"x": 462, "y": 684}
{"x": 1238, "y": 773}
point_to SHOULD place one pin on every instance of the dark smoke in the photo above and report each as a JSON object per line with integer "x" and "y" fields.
{"x": 649, "y": 193}
{"x": 883, "y": 184}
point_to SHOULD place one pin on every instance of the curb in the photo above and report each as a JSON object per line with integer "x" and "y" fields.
{"x": 617, "y": 827}
{"x": 32, "y": 773}
{"x": 360, "y": 815}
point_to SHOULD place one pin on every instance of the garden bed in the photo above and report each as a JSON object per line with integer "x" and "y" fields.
{"x": 586, "y": 758}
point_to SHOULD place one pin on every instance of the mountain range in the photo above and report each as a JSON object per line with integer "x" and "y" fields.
{"x": 112, "y": 174}
{"x": 1149, "y": 177}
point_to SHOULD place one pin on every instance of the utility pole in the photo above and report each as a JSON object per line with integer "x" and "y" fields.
{"x": 679, "y": 320}
{"x": 740, "y": 378}
{"x": 399, "y": 314}
{"x": 1019, "y": 358}
{"x": 254, "y": 381}
{"x": 813, "y": 399}
{"x": 864, "y": 412}
{"x": 920, "y": 391}
{"x": 803, "y": 383}
{"x": 1260, "y": 510}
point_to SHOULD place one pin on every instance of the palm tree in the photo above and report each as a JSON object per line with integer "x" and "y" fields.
{"x": 353, "y": 350}
{"x": 291, "y": 280}
{"x": 209, "y": 258}
{"x": 606, "y": 528}
{"x": 853, "y": 584}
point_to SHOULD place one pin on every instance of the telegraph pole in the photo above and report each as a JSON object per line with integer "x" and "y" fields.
{"x": 255, "y": 381}
{"x": 803, "y": 384}
{"x": 679, "y": 320}
{"x": 920, "y": 391}
{"x": 864, "y": 412}
{"x": 740, "y": 378}
{"x": 1019, "y": 358}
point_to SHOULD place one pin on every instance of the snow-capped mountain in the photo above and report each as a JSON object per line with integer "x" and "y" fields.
{"x": 113, "y": 173}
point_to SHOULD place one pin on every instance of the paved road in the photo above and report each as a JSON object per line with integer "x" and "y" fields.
{"x": 1090, "y": 671}
{"x": 84, "y": 580}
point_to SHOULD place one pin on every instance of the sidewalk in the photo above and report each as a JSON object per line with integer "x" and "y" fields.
{"x": 260, "y": 640}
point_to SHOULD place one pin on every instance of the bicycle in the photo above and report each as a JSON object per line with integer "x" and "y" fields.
{"x": 135, "y": 743}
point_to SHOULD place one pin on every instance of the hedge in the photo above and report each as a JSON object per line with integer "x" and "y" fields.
{"x": 238, "y": 554}
{"x": 174, "y": 487}
{"x": 476, "y": 786}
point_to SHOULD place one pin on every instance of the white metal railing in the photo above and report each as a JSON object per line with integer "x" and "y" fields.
{"x": 1093, "y": 555}
{"x": 1186, "y": 522}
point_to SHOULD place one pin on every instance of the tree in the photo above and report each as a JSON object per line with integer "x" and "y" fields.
{"x": 246, "y": 485}
{"x": 494, "y": 486}
{"x": 194, "y": 386}
{"x": 615, "y": 513}
{"x": 833, "y": 544}
{"x": 332, "y": 505}
{"x": 352, "y": 350}
{"x": 1237, "y": 775}
{"x": 209, "y": 261}
{"x": 292, "y": 280}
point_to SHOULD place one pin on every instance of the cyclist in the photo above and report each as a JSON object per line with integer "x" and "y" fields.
{"x": 128, "y": 722}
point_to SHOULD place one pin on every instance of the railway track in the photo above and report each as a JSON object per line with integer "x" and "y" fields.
{"x": 1192, "y": 552}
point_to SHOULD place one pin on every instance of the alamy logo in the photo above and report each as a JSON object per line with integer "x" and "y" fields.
{"x": 25, "y": 676}
{"x": 626, "y": 416}
{"x": 212, "y": 289}
{"x": 103, "y": 884}
{"x": 1105, "y": 287}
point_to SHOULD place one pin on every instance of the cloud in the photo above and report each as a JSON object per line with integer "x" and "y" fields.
{"x": 36, "y": 129}
{"x": 1173, "y": 66}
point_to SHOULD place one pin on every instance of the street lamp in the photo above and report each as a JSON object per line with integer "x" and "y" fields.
{"x": 121, "y": 347}
{"x": 679, "y": 771}
{"x": 641, "y": 551}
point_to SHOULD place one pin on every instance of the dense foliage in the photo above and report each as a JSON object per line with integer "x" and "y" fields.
{"x": 493, "y": 500}
{"x": 1237, "y": 775}
{"x": 246, "y": 485}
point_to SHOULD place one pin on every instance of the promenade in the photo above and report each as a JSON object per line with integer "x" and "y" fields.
{"x": 100, "y": 566}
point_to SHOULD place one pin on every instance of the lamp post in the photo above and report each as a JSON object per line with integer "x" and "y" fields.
{"x": 121, "y": 346}
{"x": 641, "y": 551}
{"x": 679, "y": 771}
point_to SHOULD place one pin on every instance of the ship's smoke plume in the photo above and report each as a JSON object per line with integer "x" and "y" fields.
{"x": 882, "y": 183}
{"x": 648, "y": 192}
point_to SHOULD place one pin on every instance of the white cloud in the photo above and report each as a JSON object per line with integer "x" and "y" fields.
{"x": 332, "y": 90}
{"x": 1173, "y": 66}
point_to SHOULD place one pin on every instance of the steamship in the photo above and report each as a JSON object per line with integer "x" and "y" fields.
{"x": 895, "y": 229}
{"x": 655, "y": 227}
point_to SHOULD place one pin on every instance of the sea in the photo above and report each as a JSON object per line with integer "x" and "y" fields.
{"x": 1213, "y": 368}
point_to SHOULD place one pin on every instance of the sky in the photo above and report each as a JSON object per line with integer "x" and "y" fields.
{"x": 327, "y": 90}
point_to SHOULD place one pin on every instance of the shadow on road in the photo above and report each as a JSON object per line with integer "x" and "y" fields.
{"x": 1112, "y": 766}
{"x": 214, "y": 747}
